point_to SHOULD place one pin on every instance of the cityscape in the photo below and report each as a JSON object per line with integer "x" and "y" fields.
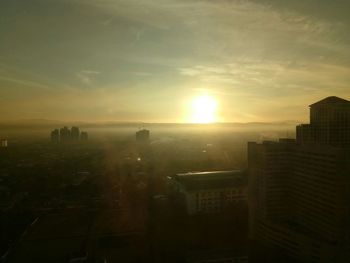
{"x": 174, "y": 131}
{"x": 65, "y": 134}
{"x": 146, "y": 199}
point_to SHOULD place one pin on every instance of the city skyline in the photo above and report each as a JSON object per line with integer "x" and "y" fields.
{"x": 179, "y": 195}
{"x": 155, "y": 61}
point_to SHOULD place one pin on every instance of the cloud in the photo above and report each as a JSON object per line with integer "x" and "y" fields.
{"x": 142, "y": 74}
{"x": 247, "y": 52}
{"x": 239, "y": 72}
{"x": 107, "y": 22}
{"x": 25, "y": 83}
{"x": 270, "y": 72}
{"x": 87, "y": 76}
{"x": 223, "y": 30}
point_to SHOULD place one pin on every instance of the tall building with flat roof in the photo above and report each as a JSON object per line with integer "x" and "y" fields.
{"x": 75, "y": 133}
{"x": 329, "y": 123}
{"x": 84, "y": 136}
{"x": 299, "y": 191}
{"x": 68, "y": 135}
{"x": 4, "y": 143}
{"x": 210, "y": 192}
{"x": 142, "y": 135}
{"x": 55, "y": 136}
{"x": 65, "y": 134}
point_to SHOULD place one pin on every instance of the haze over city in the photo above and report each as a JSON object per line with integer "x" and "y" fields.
{"x": 174, "y": 131}
{"x": 165, "y": 61}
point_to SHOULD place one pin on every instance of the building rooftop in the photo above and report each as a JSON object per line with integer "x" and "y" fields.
{"x": 331, "y": 100}
{"x": 211, "y": 180}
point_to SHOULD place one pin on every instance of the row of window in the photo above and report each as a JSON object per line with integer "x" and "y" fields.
{"x": 226, "y": 192}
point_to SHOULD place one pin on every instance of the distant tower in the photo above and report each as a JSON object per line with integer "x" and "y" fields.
{"x": 84, "y": 136}
{"x": 75, "y": 133}
{"x": 142, "y": 135}
{"x": 4, "y": 143}
{"x": 55, "y": 136}
{"x": 65, "y": 134}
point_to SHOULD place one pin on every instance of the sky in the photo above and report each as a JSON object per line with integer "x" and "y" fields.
{"x": 146, "y": 60}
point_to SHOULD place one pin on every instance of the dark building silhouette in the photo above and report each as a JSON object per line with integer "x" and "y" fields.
{"x": 75, "y": 133}
{"x": 329, "y": 123}
{"x": 4, "y": 143}
{"x": 68, "y": 135}
{"x": 300, "y": 189}
{"x": 210, "y": 192}
{"x": 84, "y": 136}
{"x": 142, "y": 135}
{"x": 65, "y": 134}
{"x": 55, "y": 136}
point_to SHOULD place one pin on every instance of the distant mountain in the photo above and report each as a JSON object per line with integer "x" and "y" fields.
{"x": 58, "y": 123}
{"x": 31, "y": 123}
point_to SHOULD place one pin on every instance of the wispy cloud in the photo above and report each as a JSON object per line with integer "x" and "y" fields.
{"x": 223, "y": 30}
{"x": 274, "y": 79}
{"x": 87, "y": 76}
{"x": 23, "y": 82}
{"x": 244, "y": 51}
{"x": 142, "y": 74}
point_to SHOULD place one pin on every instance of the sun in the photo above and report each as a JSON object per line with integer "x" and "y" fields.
{"x": 203, "y": 109}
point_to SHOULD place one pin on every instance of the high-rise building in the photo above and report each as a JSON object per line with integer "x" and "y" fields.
{"x": 65, "y": 134}
{"x": 75, "y": 133}
{"x": 300, "y": 189}
{"x": 4, "y": 143}
{"x": 329, "y": 123}
{"x": 55, "y": 136}
{"x": 142, "y": 135}
{"x": 84, "y": 136}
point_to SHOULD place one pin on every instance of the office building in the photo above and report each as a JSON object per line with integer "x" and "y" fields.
{"x": 217, "y": 256}
{"x": 84, "y": 136}
{"x": 65, "y": 134}
{"x": 55, "y": 136}
{"x": 142, "y": 135}
{"x": 329, "y": 123}
{"x": 210, "y": 192}
{"x": 299, "y": 190}
{"x": 4, "y": 143}
{"x": 75, "y": 133}
{"x": 68, "y": 135}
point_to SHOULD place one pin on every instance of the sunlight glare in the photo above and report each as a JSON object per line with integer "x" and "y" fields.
{"x": 203, "y": 109}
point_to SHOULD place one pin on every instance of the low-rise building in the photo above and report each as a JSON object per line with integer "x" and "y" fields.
{"x": 210, "y": 192}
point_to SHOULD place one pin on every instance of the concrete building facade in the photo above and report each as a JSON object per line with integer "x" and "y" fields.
{"x": 210, "y": 192}
{"x": 300, "y": 190}
{"x": 329, "y": 123}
